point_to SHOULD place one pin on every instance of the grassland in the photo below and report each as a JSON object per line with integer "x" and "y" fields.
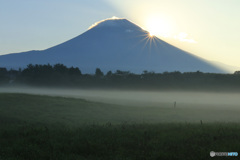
{"x": 44, "y": 127}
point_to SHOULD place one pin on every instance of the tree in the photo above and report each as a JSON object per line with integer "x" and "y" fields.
{"x": 98, "y": 73}
{"x": 237, "y": 72}
{"x": 124, "y": 73}
{"x": 60, "y": 68}
{"x": 74, "y": 71}
{"x": 109, "y": 74}
{"x": 3, "y": 71}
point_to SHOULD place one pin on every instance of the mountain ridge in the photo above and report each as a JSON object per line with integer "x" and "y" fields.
{"x": 113, "y": 44}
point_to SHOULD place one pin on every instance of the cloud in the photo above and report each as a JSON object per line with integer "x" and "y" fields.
{"x": 183, "y": 37}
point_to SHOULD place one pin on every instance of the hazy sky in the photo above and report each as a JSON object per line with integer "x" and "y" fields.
{"x": 207, "y": 28}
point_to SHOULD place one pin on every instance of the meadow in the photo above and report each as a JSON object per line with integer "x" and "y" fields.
{"x": 56, "y": 127}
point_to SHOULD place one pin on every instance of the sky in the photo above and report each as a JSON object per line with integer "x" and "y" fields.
{"x": 206, "y": 28}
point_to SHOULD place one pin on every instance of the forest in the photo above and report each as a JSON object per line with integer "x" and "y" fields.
{"x": 59, "y": 75}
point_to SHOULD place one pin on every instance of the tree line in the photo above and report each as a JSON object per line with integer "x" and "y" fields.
{"x": 61, "y": 75}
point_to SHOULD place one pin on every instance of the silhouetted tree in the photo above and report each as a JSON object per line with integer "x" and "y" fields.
{"x": 118, "y": 72}
{"x": 60, "y": 68}
{"x": 237, "y": 72}
{"x": 74, "y": 71}
{"x": 109, "y": 74}
{"x": 3, "y": 71}
{"x": 59, "y": 74}
{"x": 98, "y": 73}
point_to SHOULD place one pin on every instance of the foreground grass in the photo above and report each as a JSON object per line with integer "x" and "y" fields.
{"x": 42, "y": 127}
{"x": 137, "y": 142}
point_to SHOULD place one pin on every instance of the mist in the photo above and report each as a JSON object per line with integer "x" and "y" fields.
{"x": 142, "y": 98}
{"x": 154, "y": 106}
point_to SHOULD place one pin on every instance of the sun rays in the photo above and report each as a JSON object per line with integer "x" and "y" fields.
{"x": 149, "y": 41}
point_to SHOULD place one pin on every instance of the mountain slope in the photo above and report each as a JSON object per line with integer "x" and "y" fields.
{"x": 110, "y": 45}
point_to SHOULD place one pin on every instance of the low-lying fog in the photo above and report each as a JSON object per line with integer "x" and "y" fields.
{"x": 140, "y": 98}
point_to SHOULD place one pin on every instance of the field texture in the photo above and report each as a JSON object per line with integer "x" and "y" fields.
{"x": 44, "y": 127}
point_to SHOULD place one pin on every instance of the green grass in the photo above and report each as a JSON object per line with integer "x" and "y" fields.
{"x": 139, "y": 141}
{"x": 43, "y": 127}
{"x": 75, "y": 112}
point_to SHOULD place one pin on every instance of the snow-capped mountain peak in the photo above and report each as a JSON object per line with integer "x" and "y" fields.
{"x": 113, "y": 44}
{"x": 115, "y": 22}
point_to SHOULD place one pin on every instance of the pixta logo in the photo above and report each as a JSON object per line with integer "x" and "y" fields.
{"x": 213, "y": 154}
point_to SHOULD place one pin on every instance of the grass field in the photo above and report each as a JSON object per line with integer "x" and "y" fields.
{"x": 45, "y": 127}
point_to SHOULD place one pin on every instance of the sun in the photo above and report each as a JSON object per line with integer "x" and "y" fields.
{"x": 151, "y": 34}
{"x": 158, "y": 27}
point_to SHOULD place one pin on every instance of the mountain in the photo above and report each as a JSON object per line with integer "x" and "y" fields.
{"x": 113, "y": 44}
